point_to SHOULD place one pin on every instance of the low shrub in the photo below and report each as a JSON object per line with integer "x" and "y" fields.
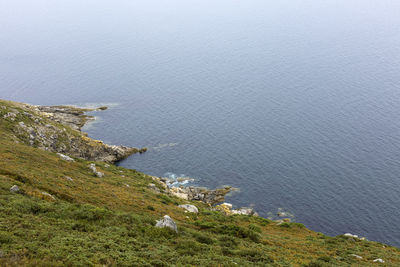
{"x": 254, "y": 228}
{"x": 204, "y": 239}
{"x": 91, "y": 213}
{"x": 255, "y": 255}
{"x": 227, "y": 241}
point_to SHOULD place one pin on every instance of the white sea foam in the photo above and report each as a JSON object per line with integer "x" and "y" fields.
{"x": 161, "y": 146}
{"x": 178, "y": 179}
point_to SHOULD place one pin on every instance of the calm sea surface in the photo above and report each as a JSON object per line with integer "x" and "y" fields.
{"x": 295, "y": 102}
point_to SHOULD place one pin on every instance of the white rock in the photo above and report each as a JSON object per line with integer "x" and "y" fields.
{"x": 65, "y": 157}
{"x": 245, "y": 211}
{"x": 92, "y": 167}
{"x": 68, "y": 178}
{"x": 14, "y": 189}
{"x": 356, "y": 256}
{"x": 189, "y": 208}
{"x": 167, "y": 222}
{"x": 99, "y": 174}
{"x": 351, "y": 235}
{"x": 379, "y": 260}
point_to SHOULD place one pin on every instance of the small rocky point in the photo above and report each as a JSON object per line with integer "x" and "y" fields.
{"x": 34, "y": 125}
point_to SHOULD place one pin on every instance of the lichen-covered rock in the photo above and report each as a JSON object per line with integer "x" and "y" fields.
{"x": 189, "y": 208}
{"x": 225, "y": 208}
{"x": 167, "y": 222}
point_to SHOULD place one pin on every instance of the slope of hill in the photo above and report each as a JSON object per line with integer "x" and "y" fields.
{"x": 63, "y": 213}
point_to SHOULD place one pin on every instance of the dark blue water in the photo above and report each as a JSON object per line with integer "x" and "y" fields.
{"x": 297, "y": 103}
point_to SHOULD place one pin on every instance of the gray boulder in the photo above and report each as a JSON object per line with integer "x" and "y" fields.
{"x": 167, "y": 222}
{"x": 189, "y": 208}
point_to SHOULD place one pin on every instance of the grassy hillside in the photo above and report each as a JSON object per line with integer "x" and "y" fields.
{"x": 110, "y": 220}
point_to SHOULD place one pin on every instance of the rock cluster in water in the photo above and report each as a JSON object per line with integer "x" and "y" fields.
{"x": 209, "y": 196}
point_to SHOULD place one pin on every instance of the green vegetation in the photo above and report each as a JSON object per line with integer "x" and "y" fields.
{"x": 110, "y": 220}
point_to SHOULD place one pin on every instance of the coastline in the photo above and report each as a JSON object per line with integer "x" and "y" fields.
{"x": 92, "y": 202}
{"x": 77, "y": 144}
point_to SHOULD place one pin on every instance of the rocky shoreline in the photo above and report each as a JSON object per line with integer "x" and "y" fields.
{"x": 32, "y": 125}
{"x": 208, "y": 196}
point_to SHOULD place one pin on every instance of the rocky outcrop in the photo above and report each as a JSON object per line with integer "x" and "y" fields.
{"x": 34, "y": 125}
{"x": 200, "y": 193}
{"x": 167, "y": 222}
{"x": 209, "y": 196}
{"x": 67, "y": 115}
